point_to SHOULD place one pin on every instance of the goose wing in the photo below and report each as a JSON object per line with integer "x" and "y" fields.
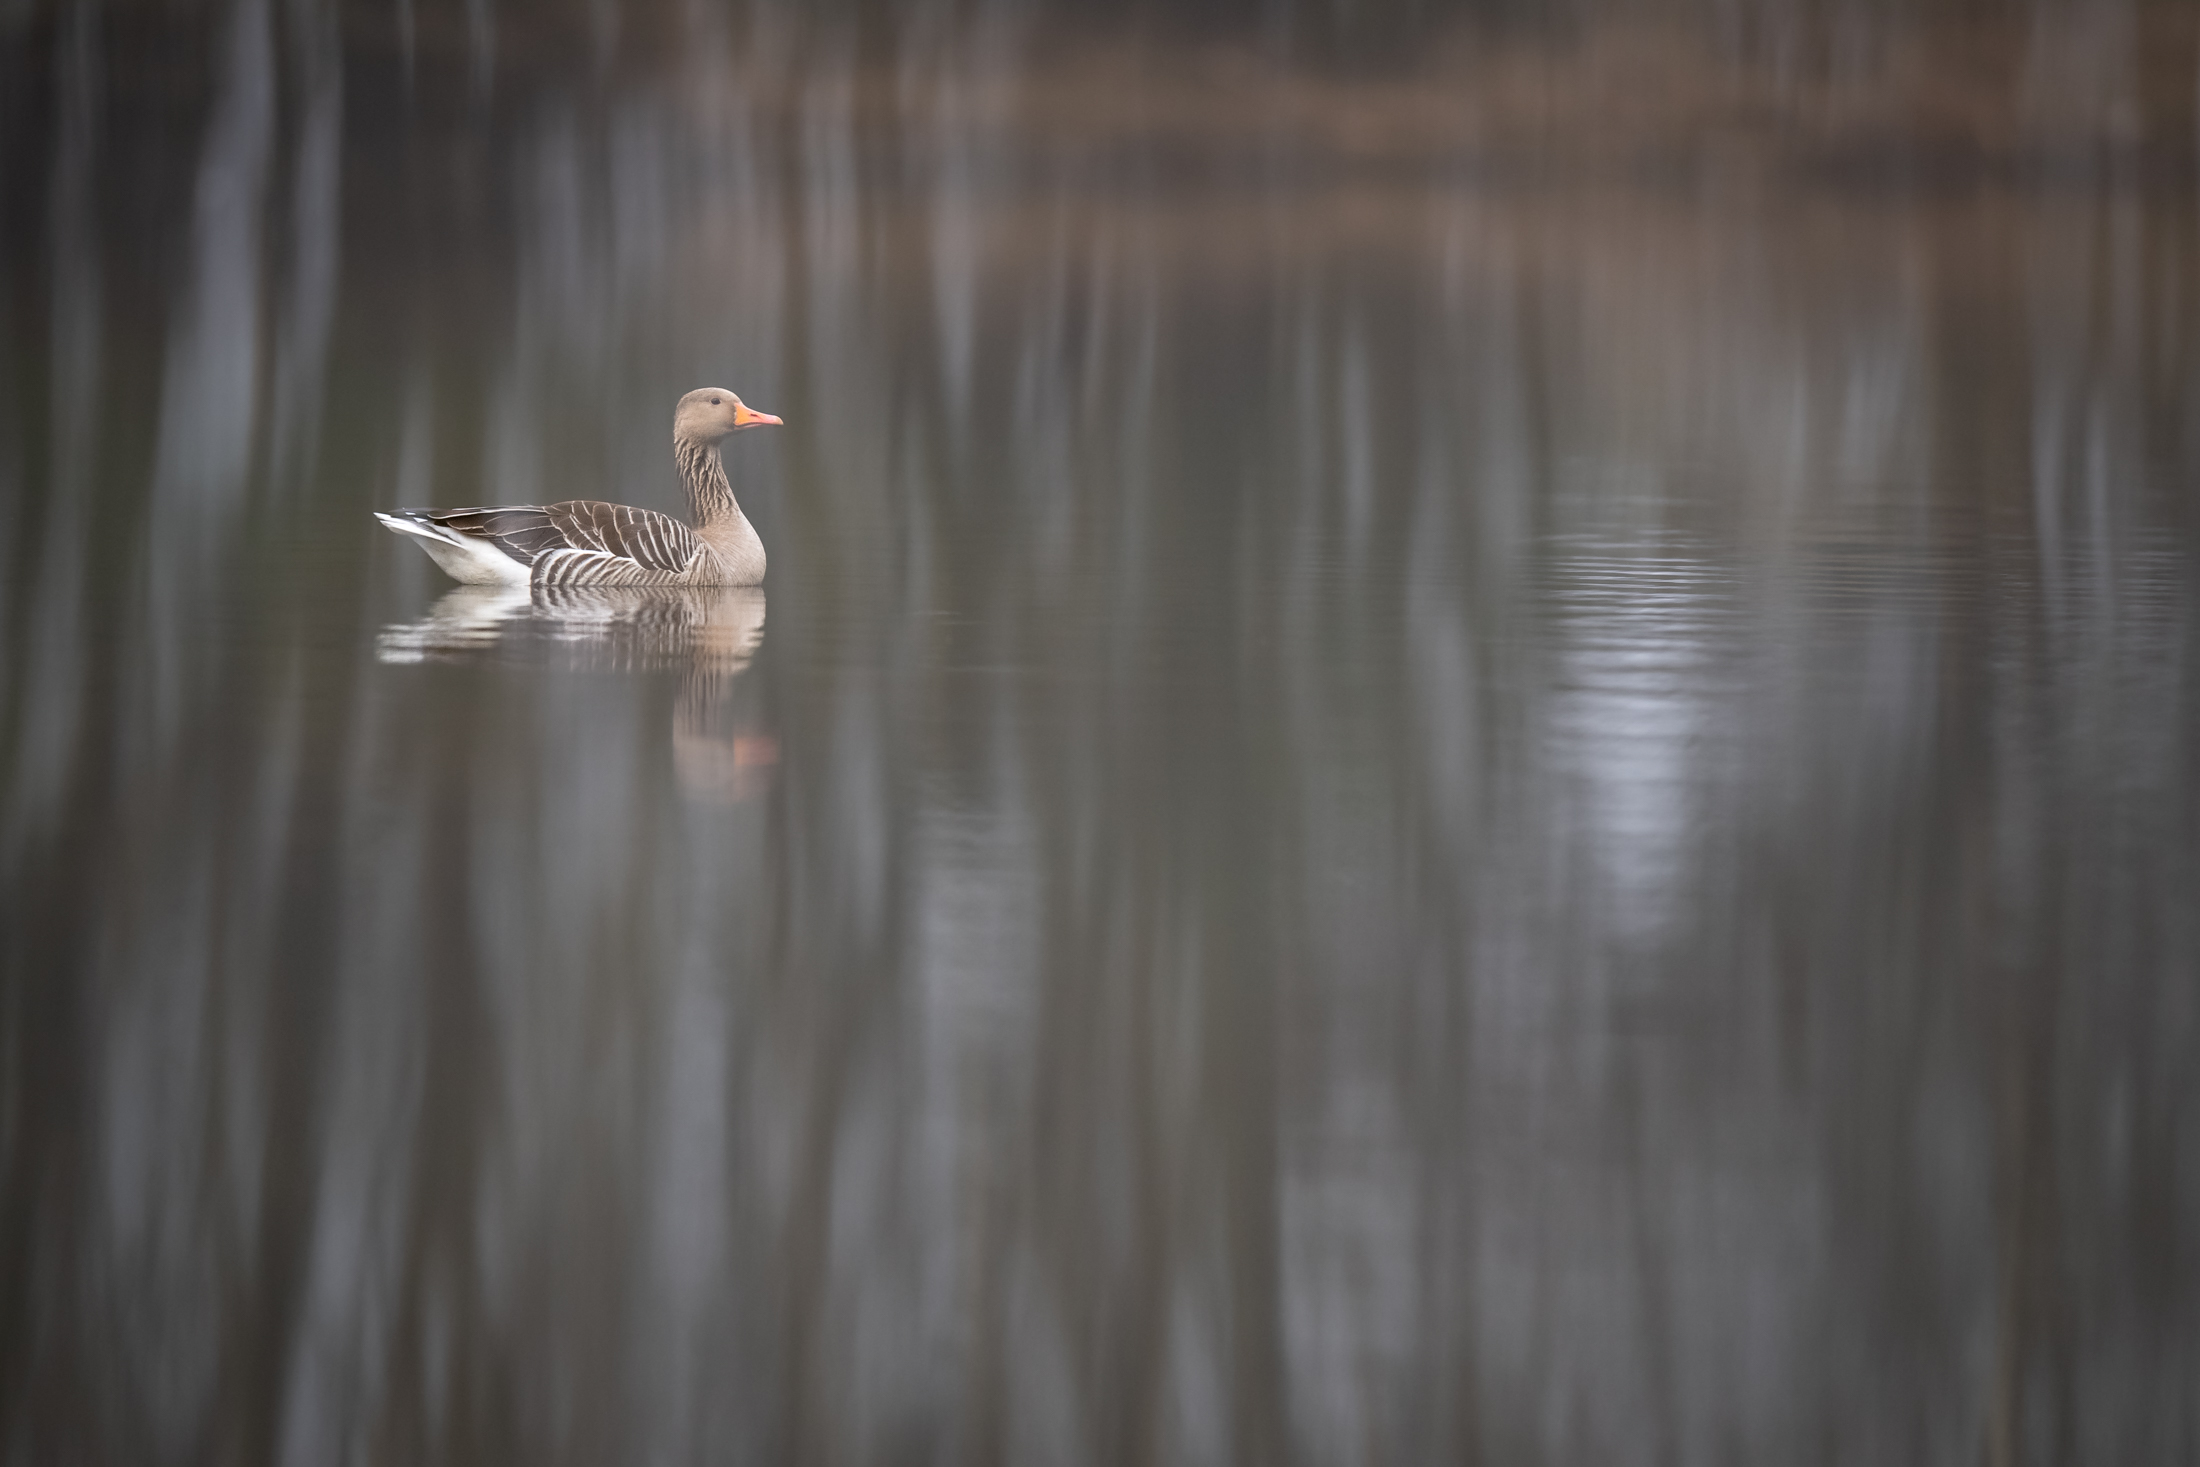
{"x": 653, "y": 541}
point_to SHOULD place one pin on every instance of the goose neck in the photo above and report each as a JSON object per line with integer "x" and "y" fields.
{"x": 710, "y": 496}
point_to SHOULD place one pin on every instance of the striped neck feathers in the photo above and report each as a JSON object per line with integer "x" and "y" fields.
{"x": 710, "y": 497}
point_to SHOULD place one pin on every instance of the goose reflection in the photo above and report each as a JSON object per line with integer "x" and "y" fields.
{"x": 708, "y": 634}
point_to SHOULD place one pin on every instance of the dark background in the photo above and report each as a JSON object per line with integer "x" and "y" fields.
{"x": 1475, "y": 742}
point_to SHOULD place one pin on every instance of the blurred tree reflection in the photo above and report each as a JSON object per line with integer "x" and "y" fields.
{"x": 1482, "y": 733}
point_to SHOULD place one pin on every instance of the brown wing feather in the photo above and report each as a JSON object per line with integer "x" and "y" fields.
{"x": 526, "y": 531}
{"x": 651, "y": 540}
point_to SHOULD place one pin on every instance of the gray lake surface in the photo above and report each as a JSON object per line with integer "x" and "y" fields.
{"x": 1431, "y": 811}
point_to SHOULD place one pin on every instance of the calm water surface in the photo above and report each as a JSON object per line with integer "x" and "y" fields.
{"x": 1366, "y": 819}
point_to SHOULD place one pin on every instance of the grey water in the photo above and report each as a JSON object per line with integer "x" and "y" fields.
{"x": 1398, "y": 795}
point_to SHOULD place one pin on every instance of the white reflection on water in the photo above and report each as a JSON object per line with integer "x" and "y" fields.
{"x": 1639, "y": 712}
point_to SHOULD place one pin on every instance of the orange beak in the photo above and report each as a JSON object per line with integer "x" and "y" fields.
{"x": 745, "y": 416}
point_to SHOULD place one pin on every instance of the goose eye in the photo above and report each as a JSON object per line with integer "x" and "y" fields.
{"x": 714, "y": 402}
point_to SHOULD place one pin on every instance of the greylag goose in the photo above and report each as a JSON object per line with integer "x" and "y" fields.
{"x": 585, "y": 542}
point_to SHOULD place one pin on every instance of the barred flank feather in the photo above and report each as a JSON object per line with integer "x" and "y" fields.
{"x": 527, "y": 532}
{"x": 561, "y": 568}
{"x": 586, "y": 542}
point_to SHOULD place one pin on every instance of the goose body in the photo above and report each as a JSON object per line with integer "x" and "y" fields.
{"x": 587, "y": 542}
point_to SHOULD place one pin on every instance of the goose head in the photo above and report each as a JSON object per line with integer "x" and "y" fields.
{"x": 710, "y": 413}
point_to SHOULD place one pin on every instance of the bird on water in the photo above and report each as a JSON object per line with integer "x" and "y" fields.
{"x": 585, "y": 542}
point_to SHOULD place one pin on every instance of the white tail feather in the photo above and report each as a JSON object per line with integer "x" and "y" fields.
{"x": 466, "y": 558}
